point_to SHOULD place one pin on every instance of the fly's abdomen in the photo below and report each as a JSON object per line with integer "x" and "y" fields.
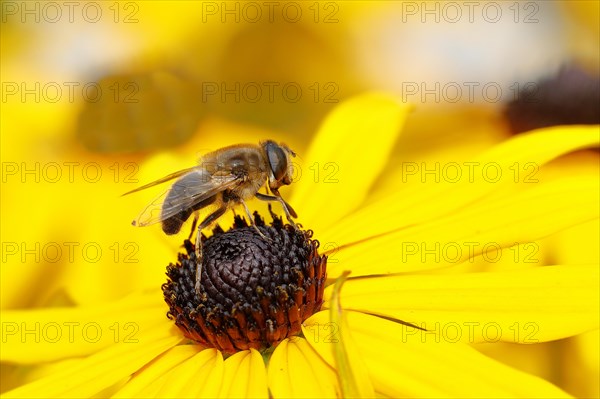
{"x": 173, "y": 224}
{"x": 180, "y": 202}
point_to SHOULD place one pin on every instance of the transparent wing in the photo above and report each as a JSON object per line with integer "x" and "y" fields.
{"x": 152, "y": 213}
{"x": 187, "y": 192}
{"x": 161, "y": 180}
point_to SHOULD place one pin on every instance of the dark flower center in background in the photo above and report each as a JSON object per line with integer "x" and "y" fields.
{"x": 569, "y": 98}
{"x": 255, "y": 292}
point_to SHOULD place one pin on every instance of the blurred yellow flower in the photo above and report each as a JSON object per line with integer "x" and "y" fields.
{"x": 400, "y": 249}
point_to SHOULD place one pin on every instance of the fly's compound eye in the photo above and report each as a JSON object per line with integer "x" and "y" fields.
{"x": 278, "y": 162}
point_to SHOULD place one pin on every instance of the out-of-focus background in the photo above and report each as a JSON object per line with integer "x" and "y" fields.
{"x": 101, "y": 97}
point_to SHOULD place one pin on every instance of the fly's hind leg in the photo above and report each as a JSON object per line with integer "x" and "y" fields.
{"x": 205, "y": 223}
{"x": 194, "y": 224}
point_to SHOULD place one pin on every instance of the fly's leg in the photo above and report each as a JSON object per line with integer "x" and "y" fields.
{"x": 287, "y": 209}
{"x": 252, "y": 220}
{"x": 205, "y": 223}
{"x": 198, "y": 263}
{"x": 194, "y": 224}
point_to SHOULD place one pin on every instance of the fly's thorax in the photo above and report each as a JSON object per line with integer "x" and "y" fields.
{"x": 245, "y": 160}
{"x": 250, "y": 187}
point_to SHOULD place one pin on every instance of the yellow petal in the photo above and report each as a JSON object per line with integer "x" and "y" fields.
{"x": 199, "y": 376}
{"x": 515, "y": 159}
{"x": 485, "y": 227}
{"x": 416, "y": 369}
{"x": 424, "y": 143}
{"x": 257, "y": 375}
{"x": 579, "y": 244}
{"x": 209, "y": 377}
{"x": 245, "y": 376}
{"x": 352, "y": 374}
{"x": 98, "y": 371}
{"x": 296, "y": 371}
{"x": 201, "y": 373}
{"x": 83, "y": 259}
{"x": 156, "y": 369}
{"x": 527, "y": 306}
{"x": 586, "y": 351}
{"x": 278, "y": 373}
{"x": 338, "y": 169}
{"x": 41, "y": 335}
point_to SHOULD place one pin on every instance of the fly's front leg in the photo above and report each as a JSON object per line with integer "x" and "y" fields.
{"x": 287, "y": 208}
{"x": 252, "y": 220}
{"x": 205, "y": 223}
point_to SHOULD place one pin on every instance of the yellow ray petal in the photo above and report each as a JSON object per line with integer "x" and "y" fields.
{"x": 278, "y": 375}
{"x": 83, "y": 260}
{"x": 484, "y": 227}
{"x": 415, "y": 369}
{"x": 40, "y": 335}
{"x": 245, "y": 376}
{"x": 98, "y": 371}
{"x": 438, "y": 136}
{"x": 586, "y": 352}
{"x": 156, "y": 369}
{"x": 257, "y": 375}
{"x": 526, "y": 306}
{"x": 579, "y": 244}
{"x": 207, "y": 365}
{"x": 210, "y": 377}
{"x": 199, "y": 376}
{"x": 338, "y": 168}
{"x": 352, "y": 374}
{"x": 296, "y": 371}
{"x": 523, "y": 154}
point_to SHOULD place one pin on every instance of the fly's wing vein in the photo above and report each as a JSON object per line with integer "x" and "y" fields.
{"x": 161, "y": 180}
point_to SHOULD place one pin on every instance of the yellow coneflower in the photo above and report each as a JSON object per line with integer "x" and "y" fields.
{"x": 399, "y": 319}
